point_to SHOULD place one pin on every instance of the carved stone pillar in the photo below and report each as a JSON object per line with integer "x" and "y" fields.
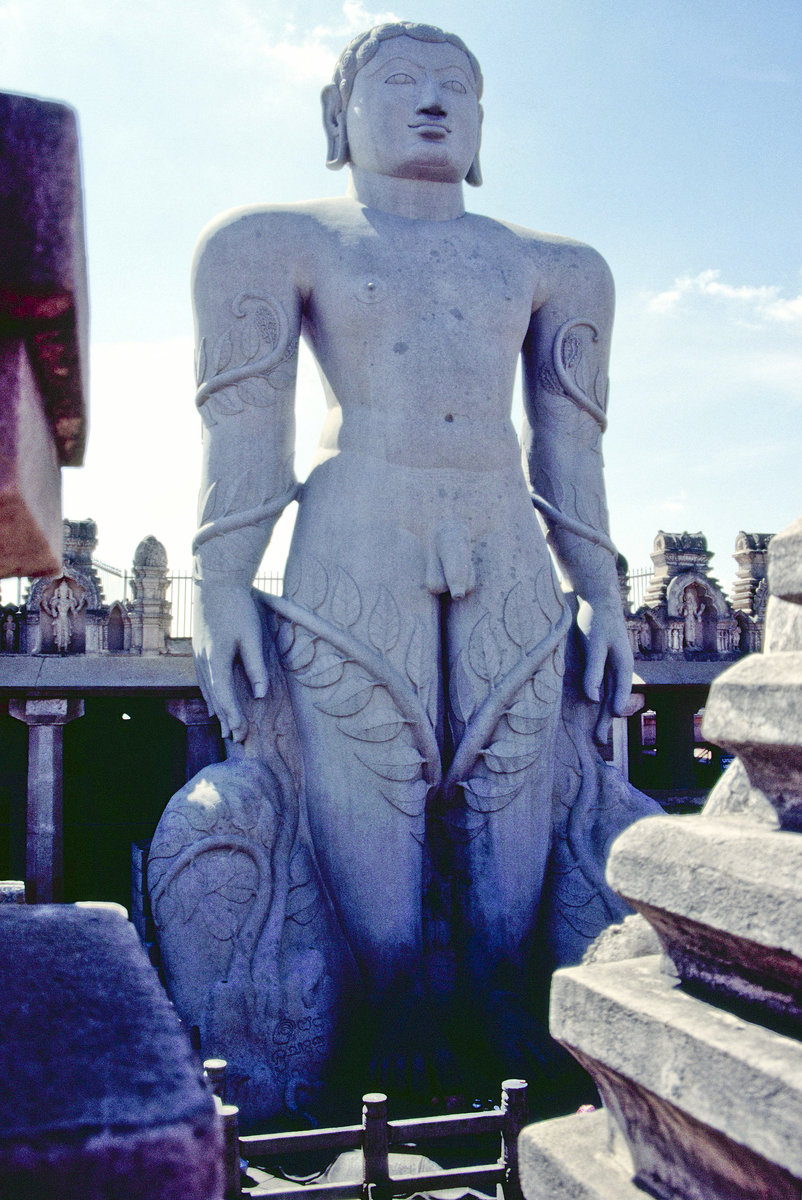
{"x": 44, "y": 855}
{"x": 203, "y": 732}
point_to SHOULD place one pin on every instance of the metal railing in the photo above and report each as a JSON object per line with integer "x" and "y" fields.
{"x": 374, "y": 1137}
{"x": 638, "y": 582}
{"x": 180, "y": 595}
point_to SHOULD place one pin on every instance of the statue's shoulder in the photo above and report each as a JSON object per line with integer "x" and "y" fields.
{"x": 282, "y": 232}
{"x": 556, "y": 259}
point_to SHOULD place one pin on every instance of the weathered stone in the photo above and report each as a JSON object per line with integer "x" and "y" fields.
{"x": 99, "y": 1093}
{"x": 43, "y": 288}
{"x": 785, "y": 564}
{"x": 754, "y": 711}
{"x": 573, "y": 1158}
{"x": 725, "y": 898}
{"x": 30, "y": 488}
{"x": 709, "y": 1104}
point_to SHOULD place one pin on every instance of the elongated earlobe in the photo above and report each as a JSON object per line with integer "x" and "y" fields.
{"x": 334, "y": 125}
{"x": 474, "y": 176}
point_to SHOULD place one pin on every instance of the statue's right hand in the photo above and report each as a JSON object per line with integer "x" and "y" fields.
{"x": 226, "y": 626}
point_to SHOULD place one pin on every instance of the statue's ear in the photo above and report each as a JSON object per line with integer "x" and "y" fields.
{"x": 474, "y": 176}
{"x": 334, "y": 125}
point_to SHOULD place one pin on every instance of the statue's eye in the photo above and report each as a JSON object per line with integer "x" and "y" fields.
{"x": 400, "y": 77}
{"x": 454, "y": 85}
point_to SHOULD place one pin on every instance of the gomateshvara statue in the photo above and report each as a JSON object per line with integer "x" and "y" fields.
{"x": 409, "y": 829}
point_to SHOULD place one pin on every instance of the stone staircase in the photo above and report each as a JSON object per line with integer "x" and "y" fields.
{"x": 697, "y": 1048}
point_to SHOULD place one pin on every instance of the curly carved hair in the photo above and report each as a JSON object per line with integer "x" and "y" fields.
{"x": 362, "y": 49}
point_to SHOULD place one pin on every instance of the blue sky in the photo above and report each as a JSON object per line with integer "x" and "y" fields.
{"x": 663, "y": 132}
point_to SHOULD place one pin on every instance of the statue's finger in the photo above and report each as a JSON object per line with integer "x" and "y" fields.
{"x": 253, "y": 660}
{"x": 594, "y": 669}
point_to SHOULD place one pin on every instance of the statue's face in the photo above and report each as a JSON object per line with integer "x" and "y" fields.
{"x": 414, "y": 113}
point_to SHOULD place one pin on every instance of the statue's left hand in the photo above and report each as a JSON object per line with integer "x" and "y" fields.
{"x": 226, "y": 627}
{"x": 608, "y": 661}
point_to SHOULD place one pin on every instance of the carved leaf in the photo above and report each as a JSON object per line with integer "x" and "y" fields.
{"x": 483, "y": 650}
{"x": 292, "y": 577}
{"x": 491, "y": 795}
{"x": 505, "y": 757}
{"x": 301, "y": 651}
{"x": 225, "y": 348}
{"x": 315, "y": 582}
{"x": 285, "y": 638}
{"x": 463, "y": 697}
{"x": 226, "y": 401}
{"x": 384, "y": 623}
{"x": 200, "y": 362}
{"x": 409, "y": 798}
{"x": 518, "y": 616}
{"x": 400, "y": 765}
{"x": 346, "y": 603}
{"x": 326, "y": 669}
{"x": 350, "y": 698}
{"x": 419, "y": 659}
{"x": 281, "y": 377}
{"x": 256, "y": 391}
{"x": 220, "y": 921}
{"x": 544, "y": 687}
{"x": 207, "y": 504}
{"x": 522, "y": 719}
{"x": 382, "y": 725}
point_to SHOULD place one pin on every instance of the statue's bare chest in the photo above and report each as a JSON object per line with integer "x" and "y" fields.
{"x": 428, "y": 287}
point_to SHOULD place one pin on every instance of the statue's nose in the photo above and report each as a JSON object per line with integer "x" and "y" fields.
{"x": 430, "y": 100}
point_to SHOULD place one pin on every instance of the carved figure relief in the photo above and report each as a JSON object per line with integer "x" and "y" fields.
{"x": 62, "y": 604}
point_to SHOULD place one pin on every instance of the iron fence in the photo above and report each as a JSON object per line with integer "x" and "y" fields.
{"x": 180, "y": 595}
{"x": 638, "y": 582}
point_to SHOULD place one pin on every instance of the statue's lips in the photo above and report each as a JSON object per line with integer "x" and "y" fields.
{"x": 429, "y": 129}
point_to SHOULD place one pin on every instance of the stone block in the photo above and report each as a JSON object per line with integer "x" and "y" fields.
{"x": 43, "y": 287}
{"x": 30, "y": 488}
{"x": 753, "y": 710}
{"x": 99, "y": 1092}
{"x": 785, "y": 563}
{"x": 709, "y": 1104}
{"x": 725, "y": 897}
{"x": 572, "y": 1158}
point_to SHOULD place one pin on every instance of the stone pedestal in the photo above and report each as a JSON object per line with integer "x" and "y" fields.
{"x": 45, "y": 719}
{"x": 698, "y": 1053}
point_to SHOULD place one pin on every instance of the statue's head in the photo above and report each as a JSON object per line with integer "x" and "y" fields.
{"x": 407, "y": 107}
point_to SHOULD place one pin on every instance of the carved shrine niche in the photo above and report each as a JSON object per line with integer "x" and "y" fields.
{"x": 62, "y": 617}
{"x": 10, "y": 630}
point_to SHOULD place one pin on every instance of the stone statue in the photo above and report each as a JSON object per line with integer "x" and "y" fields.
{"x": 422, "y": 628}
{"x": 61, "y": 607}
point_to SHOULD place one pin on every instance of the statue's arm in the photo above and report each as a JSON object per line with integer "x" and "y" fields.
{"x": 565, "y": 364}
{"x": 247, "y": 306}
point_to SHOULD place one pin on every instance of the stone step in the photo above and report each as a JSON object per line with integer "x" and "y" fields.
{"x": 574, "y": 1158}
{"x": 725, "y": 898}
{"x": 710, "y": 1105}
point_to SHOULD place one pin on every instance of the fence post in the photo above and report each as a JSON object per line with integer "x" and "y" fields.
{"x": 229, "y": 1117}
{"x": 375, "y": 1164}
{"x": 513, "y": 1109}
{"x": 214, "y": 1070}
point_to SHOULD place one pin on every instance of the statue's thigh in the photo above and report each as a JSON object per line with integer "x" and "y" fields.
{"x": 505, "y": 677}
{"x": 363, "y": 671}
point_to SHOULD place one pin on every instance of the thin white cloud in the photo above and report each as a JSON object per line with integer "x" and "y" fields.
{"x": 311, "y": 55}
{"x": 762, "y": 303}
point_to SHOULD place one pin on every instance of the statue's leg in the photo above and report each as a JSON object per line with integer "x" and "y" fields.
{"x": 359, "y": 645}
{"x": 505, "y": 646}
